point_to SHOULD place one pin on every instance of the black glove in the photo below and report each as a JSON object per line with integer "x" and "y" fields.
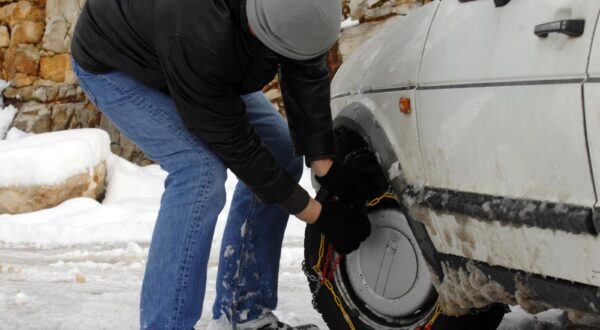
{"x": 355, "y": 184}
{"x": 344, "y": 225}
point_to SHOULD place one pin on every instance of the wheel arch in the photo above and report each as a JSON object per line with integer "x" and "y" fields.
{"x": 360, "y": 119}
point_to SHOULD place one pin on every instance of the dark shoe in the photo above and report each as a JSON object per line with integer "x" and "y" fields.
{"x": 270, "y": 322}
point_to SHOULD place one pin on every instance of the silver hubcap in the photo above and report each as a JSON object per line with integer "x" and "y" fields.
{"x": 388, "y": 271}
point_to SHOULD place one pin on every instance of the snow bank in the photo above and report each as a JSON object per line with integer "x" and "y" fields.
{"x": 7, "y": 114}
{"x": 51, "y": 158}
{"x": 16, "y": 134}
{"x": 127, "y": 214}
{"x": 6, "y": 117}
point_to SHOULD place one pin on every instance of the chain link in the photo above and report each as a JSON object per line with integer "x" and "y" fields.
{"x": 326, "y": 281}
{"x": 436, "y": 314}
{"x": 387, "y": 194}
{"x": 326, "y": 277}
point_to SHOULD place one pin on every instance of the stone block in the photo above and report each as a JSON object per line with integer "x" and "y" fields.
{"x": 23, "y": 59}
{"x": 33, "y": 93}
{"x": 6, "y": 12}
{"x": 62, "y": 115}
{"x": 91, "y": 184}
{"x": 27, "y": 32}
{"x": 54, "y": 67}
{"x": 22, "y": 80}
{"x": 27, "y": 11}
{"x": 22, "y": 93}
{"x": 69, "y": 9}
{"x": 21, "y": 11}
{"x": 33, "y": 117}
{"x": 70, "y": 77}
{"x": 4, "y": 36}
{"x": 56, "y": 38}
{"x": 88, "y": 116}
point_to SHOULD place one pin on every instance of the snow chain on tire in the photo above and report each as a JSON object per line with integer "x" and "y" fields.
{"x": 323, "y": 279}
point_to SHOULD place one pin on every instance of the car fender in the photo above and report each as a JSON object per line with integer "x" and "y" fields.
{"x": 370, "y": 67}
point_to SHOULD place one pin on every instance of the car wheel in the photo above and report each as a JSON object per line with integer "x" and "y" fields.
{"x": 386, "y": 283}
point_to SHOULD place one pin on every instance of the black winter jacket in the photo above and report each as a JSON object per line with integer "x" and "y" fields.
{"x": 202, "y": 54}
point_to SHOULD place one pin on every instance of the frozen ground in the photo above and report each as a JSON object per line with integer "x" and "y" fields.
{"x": 80, "y": 265}
{"x": 59, "y": 285}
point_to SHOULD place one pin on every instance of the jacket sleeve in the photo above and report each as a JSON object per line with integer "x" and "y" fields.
{"x": 306, "y": 92}
{"x": 211, "y": 110}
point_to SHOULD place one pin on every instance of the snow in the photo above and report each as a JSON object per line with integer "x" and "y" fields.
{"x": 126, "y": 214}
{"x": 6, "y": 117}
{"x": 21, "y": 299}
{"x": 349, "y": 22}
{"x": 51, "y": 158}
{"x": 16, "y": 134}
{"x": 229, "y": 250}
{"x": 80, "y": 264}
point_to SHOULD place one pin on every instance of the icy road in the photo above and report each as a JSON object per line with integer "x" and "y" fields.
{"x": 80, "y": 265}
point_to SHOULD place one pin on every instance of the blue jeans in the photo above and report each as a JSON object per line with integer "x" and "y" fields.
{"x": 175, "y": 277}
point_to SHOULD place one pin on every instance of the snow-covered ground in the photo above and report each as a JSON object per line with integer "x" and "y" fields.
{"x": 80, "y": 264}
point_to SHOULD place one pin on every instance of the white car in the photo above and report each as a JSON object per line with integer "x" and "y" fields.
{"x": 485, "y": 118}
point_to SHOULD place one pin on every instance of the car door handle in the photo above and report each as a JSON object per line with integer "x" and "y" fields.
{"x": 570, "y": 27}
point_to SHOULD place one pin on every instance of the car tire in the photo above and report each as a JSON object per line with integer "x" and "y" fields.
{"x": 360, "y": 317}
{"x": 340, "y": 297}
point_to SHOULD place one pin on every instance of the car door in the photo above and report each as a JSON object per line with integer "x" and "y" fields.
{"x": 501, "y": 110}
{"x": 502, "y": 133}
{"x": 591, "y": 94}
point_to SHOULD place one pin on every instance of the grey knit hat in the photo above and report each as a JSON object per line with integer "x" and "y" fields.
{"x": 298, "y": 29}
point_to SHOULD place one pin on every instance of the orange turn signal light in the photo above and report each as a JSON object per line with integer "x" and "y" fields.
{"x": 404, "y": 104}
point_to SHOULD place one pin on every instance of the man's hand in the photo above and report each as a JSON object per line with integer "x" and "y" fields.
{"x": 356, "y": 184}
{"x": 344, "y": 225}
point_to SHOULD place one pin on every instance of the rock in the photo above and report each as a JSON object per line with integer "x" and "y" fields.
{"x": 26, "y": 11}
{"x": 33, "y": 93}
{"x": 69, "y": 9}
{"x": 33, "y": 117}
{"x": 15, "y": 200}
{"x": 80, "y": 279}
{"x": 56, "y": 38}
{"x": 55, "y": 67}
{"x": 27, "y": 32}
{"x": 23, "y": 79}
{"x": 71, "y": 78}
{"x": 46, "y": 93}
{"x": 6, "y": 12}
{"x": 62, "y": 115}
{"x": 69, "y": 92}
{"x": 21, "y": 11}
{"x": 22, "y": 58}
{"x": 369, "y": 10}
{"x": 374, "y": 3}
{"x": 4, "y": 36}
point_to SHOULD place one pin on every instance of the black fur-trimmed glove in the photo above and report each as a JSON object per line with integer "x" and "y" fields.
{"x": 355, "y": 184}
{"x": 344, "y": 225}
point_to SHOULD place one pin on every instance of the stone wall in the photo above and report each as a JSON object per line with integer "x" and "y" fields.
{"x": 35, "y": 36}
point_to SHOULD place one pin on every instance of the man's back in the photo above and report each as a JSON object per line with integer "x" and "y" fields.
{"x": 124, "y": 34}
